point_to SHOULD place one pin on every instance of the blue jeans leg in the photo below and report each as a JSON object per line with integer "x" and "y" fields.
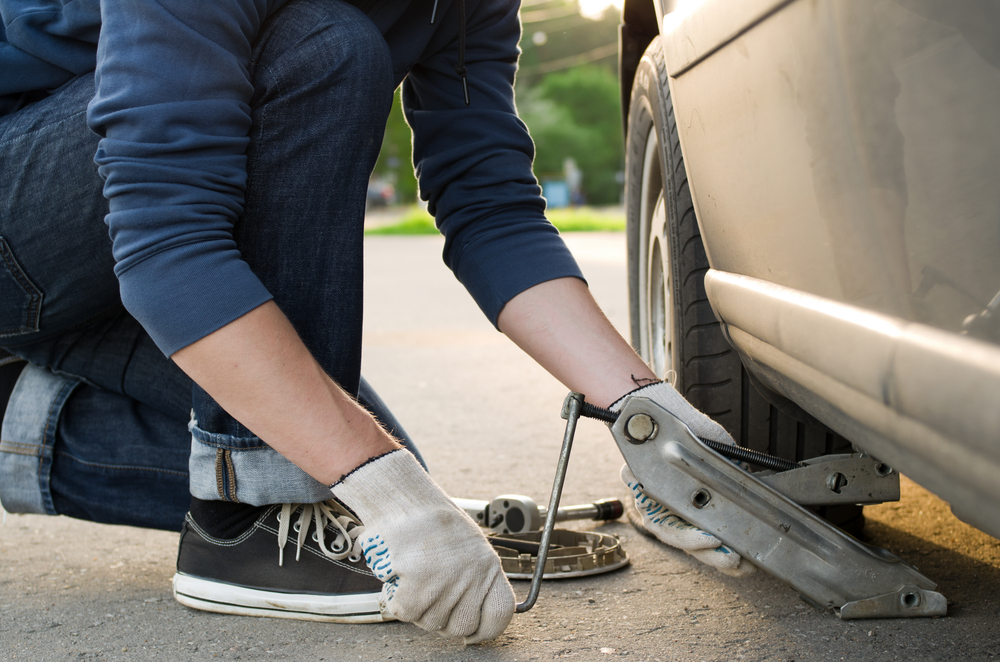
{"x": 124, "y": 469}
{"x": 59, "y": 308}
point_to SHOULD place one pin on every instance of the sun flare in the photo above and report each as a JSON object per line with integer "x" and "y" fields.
{"x": 595, "y": 8}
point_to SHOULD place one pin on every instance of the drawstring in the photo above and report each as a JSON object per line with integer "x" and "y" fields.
{"x": 460, "y": 66}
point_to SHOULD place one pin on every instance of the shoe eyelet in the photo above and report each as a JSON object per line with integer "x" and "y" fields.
{"x": 297, "y": 526}
{"x": 353, "y": 559}
{"x": 315, "y": 537}
{"x": 279, "y": 516}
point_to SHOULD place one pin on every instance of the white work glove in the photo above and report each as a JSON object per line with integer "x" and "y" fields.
{"x": 677, "y": 532}
{"x": 438, "y": 569}
{"x": 656, "y": 517}
{"x": 667, "y": 397}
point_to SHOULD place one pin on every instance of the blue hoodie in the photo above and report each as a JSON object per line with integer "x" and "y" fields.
{"x": 172, "y": 110}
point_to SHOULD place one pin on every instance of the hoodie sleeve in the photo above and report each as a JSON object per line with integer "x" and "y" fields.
{"x": 474, "y": 162}
{"x": 172, "y": 108}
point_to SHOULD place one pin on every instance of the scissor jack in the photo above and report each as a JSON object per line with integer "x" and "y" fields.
{"x": 761, "y": 516}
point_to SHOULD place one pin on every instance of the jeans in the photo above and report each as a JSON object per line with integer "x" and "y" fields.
{"x": 101, "y": 425}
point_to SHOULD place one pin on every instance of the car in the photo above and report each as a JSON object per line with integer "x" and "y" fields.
{"x": 381, "y": 193}
{"x": 813, "y": 227}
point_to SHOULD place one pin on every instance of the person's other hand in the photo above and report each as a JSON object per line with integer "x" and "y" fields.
{"x": 656, "y": 517}
{"x": 438, "y": 569}
{"x": 677, "y": 532}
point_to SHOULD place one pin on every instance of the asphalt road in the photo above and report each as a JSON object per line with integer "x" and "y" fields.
{"x": 487, "y": 420}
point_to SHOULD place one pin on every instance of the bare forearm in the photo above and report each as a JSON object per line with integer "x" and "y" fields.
{"x": 260, "y": 372}
{"x": 559, "y": 324}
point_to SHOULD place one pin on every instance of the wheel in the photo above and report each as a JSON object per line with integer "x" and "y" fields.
{"x": 673, "y": 326}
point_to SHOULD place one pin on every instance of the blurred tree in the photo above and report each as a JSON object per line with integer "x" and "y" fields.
{"x": 556, "y": 37}
{"x": 567, "y": 94}
{"x": 575, "y": 114}
{"x": 395, "y": 161}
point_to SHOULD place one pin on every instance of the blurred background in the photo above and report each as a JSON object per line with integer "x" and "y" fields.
{"x": 567, "y": 94}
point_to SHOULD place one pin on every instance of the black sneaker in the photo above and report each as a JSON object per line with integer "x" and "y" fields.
{"x": 323, "y": 579}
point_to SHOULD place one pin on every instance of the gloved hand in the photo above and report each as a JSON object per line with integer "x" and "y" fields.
{"x": 667, "y": 397}
{"x": 656, "y": 517}
{"x": 438, "y": 569}
{"x": 677, "y": 532}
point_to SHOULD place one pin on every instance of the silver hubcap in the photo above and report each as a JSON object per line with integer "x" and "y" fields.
{"x": 654, "y": 270}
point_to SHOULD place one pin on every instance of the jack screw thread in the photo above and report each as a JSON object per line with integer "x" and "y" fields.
{"x": 749, "y": 456}
{"x": 600, "y": 413}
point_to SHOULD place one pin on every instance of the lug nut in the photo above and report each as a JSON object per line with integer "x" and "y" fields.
{"x": 640, "y": 428}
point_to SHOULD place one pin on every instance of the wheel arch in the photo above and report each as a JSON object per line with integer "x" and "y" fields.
{"x": 641, "y": 20}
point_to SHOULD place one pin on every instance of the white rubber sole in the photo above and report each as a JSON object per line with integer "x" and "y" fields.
{"x": 228, "y": 599}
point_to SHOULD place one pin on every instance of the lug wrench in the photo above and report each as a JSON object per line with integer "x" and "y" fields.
{"x": 572, "y": 407}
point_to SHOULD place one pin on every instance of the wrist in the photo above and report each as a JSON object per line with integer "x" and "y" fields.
{"x": 642, "y": 385}
{"x": 389, "y": 485}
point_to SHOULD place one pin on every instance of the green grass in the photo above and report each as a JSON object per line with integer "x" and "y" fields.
{"x": 588, "y": 219}
{"x": 416, "y": 221}
{"x": 579, "y": 219}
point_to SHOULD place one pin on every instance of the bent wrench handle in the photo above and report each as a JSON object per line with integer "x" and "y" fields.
{"x": 571, "y": 412}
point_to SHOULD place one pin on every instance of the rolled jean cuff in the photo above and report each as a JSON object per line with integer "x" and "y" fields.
{"x": 28, "y": 437}
{"x": 246, "y": 470}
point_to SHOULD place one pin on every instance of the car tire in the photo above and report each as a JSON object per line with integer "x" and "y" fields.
{"x": 673, "y": 326}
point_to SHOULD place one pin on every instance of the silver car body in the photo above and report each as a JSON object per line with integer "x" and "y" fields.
{"x": 844, "y": 161}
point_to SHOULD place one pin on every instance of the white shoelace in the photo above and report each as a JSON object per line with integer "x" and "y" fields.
{"x": 346, "y": 544}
